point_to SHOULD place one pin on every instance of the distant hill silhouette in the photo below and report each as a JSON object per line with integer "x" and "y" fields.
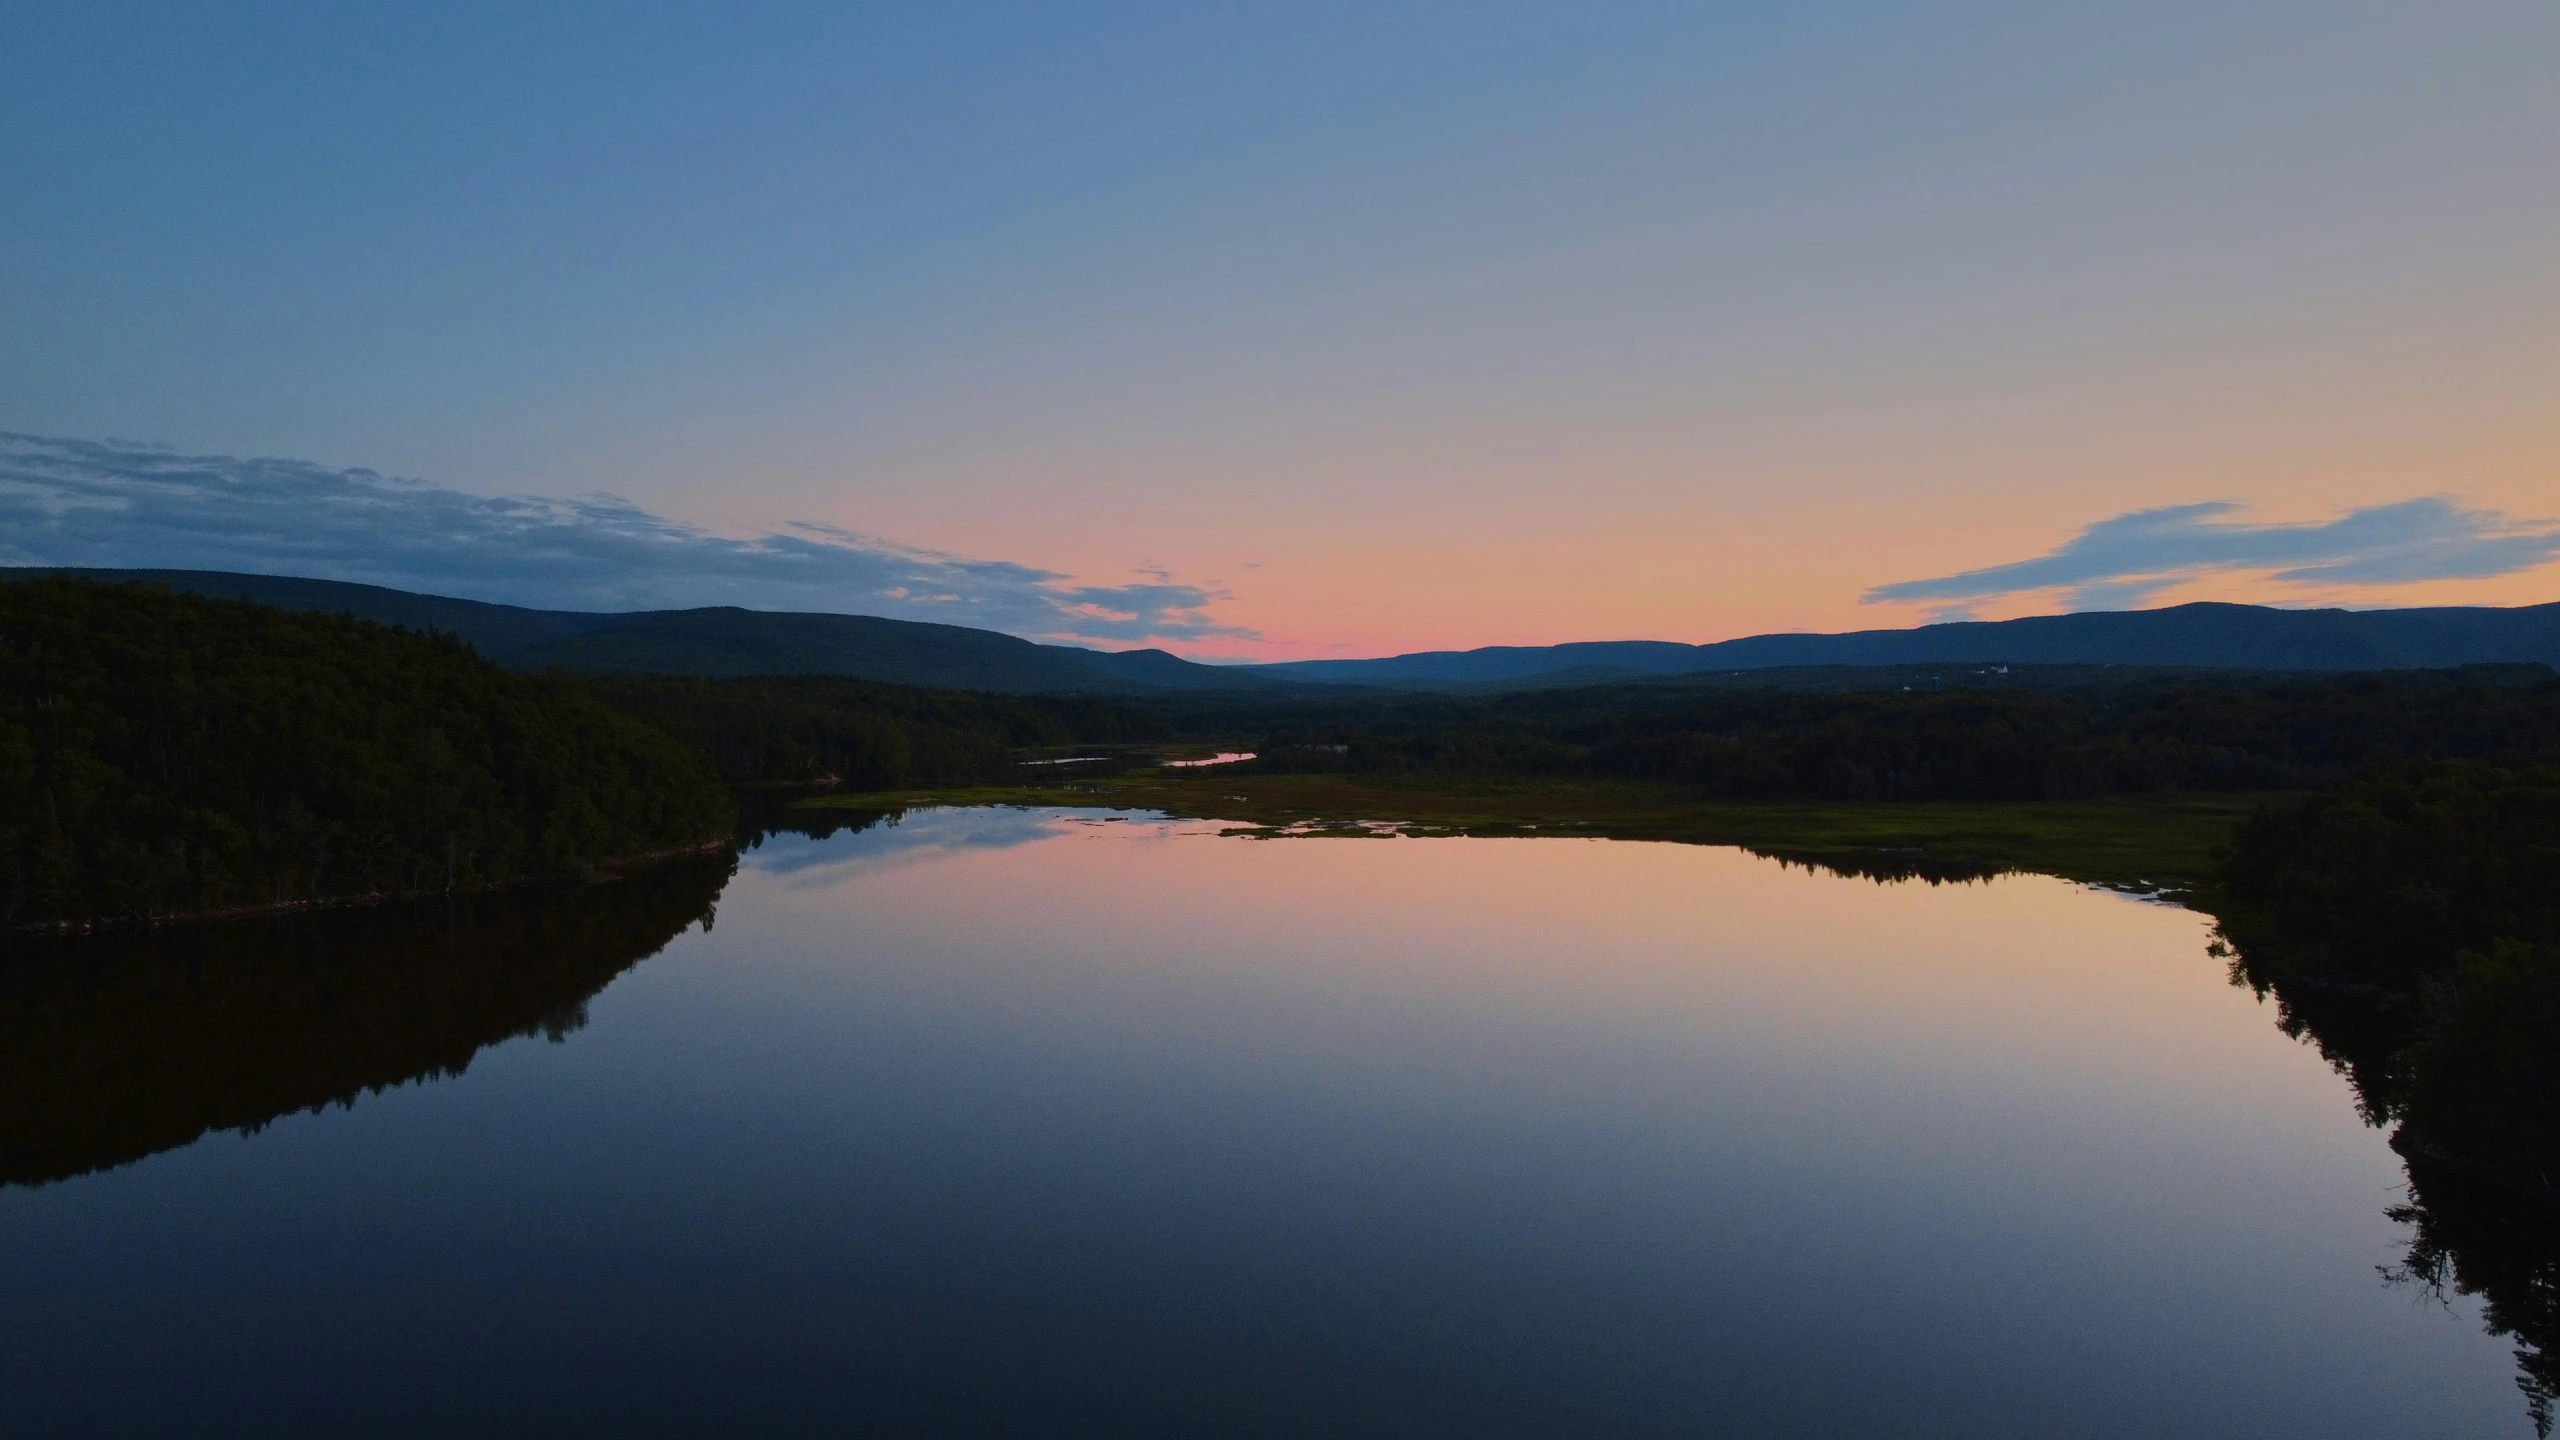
{"x": 721, "y": 641}
{"x": 724, "y": 641}
{"x": 2246, "y": 637}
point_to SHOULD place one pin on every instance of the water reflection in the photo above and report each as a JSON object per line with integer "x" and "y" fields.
{"x": 2468, "y": 1236}
{"x": 2474, "y": 1238}
{"x": 1887, "y": 867}
{"x": 1382, "y": 1130}
{"x": 871, "y": 840}
{"x": 118, "y": 1046}
{"x": 2489, "y": 1231}
{"x": 766, "y": 813}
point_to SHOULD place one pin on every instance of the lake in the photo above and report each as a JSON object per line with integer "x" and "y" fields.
{"x": 1061, "y": 1122}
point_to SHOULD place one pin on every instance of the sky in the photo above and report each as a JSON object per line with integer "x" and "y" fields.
{"x": 1269, "y": 332}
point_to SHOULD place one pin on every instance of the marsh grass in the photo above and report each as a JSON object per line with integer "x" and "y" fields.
{"x": 2149, "y": 842}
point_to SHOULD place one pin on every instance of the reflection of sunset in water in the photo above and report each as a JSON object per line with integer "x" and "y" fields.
{"x": 980, "y": 1117}
{"x": 1670, "y": 939}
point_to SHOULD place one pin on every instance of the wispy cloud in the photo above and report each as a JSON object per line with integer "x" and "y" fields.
{"x": 2120, "y": 563}
{"x": 111, "y": 503}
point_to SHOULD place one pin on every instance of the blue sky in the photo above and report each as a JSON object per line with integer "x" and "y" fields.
{"x": 1369, "y": 327}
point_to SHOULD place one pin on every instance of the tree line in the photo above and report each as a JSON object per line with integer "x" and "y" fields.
{"x": 2233, "y": 734}
{"x": 2408, "y": 923}
{"x": 166, "y": 754}
{"x": 865, "y": 735}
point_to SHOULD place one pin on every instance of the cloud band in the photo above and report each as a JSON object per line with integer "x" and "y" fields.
{"x": 110, "y": 503}
{"x": 2121, "y": 562}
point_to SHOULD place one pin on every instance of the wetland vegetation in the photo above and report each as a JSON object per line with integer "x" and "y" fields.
{"x": 167, "y": 754}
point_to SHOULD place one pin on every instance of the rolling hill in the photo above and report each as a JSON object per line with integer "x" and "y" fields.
{"x": 721, "y": 641}
{"x": 725, "y": 641}
{"x": 2246, "y": 637}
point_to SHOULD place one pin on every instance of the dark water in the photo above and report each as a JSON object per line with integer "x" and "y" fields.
{"x": 994, "y": 1122}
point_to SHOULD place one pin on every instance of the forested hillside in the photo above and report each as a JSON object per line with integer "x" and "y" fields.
{"x": 165, "y": 754}
{"x": 2243, "y": 637}
{"x": 865, "y": 735}
{"x": 724, "y": 641}
{"x": 721, "y": 641}
{"x": 2244, "y": 733}
{"x": 2424, "y": 900}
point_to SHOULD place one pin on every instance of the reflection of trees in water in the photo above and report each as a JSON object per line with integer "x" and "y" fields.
{"x": 2482, "y": 1221}
{"x": 1886, "y": 866}
{"x": 2409, "y": 926}
{"x": 120, "y": 1046}
{"x": 765, "y": 813}
{"x": 2384, "y": 926}
{"x": 116, "y": 1047}
{"x": 2472, "y": 1237}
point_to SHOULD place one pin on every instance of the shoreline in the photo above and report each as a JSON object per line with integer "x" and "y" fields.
{"x": 2151, "y": 843}
{"x": 597, "y": 873}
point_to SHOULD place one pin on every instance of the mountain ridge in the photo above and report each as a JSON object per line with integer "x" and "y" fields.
{"x": 730, "y": 642}
{"x": 2204, "y": 634}
{"x": 719, "y": 642}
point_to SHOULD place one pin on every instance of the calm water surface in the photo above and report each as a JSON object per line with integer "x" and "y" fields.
{"x": 1050, "y": 1123}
